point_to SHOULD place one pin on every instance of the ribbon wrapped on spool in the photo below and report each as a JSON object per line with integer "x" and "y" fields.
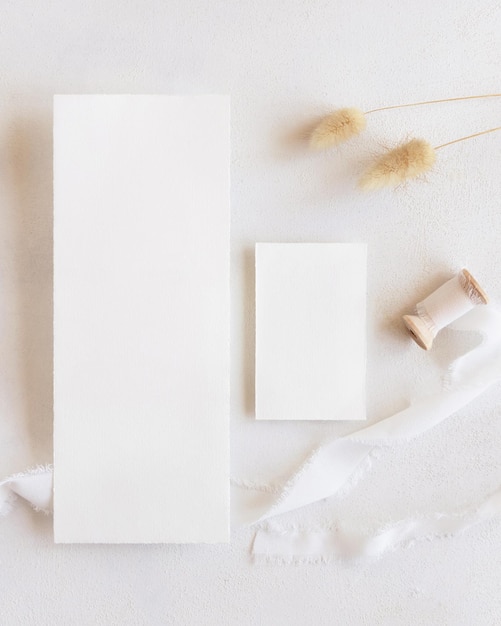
{"x": 445, "y": 305}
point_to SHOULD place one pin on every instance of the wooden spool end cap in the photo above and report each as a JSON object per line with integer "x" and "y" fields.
{"x": 419, "y": 331}
{"x": 475, "y": 287}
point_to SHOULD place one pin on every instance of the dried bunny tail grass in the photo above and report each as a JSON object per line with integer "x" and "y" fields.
{"x": 337, "y": 127}
{"x": 406, "y": 161}
{"x": 342, "y": 124}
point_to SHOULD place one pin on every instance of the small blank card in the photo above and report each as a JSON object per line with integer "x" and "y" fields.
{"x": 141, "y": 319}
{"x": 310, "y": 331}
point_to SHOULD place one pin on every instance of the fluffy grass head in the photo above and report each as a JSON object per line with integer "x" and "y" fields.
{"x": 337, "y": 127}
{"x": 405, "y": 162}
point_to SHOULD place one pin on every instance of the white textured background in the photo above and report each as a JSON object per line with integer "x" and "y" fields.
{"x": 284, "y": 62}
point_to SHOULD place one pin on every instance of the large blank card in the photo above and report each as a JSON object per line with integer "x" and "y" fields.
{"x": 310, "y": 331}
{"x": 141, "y": 319}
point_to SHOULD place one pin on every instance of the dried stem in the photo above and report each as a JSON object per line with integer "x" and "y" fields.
{"x": 483, "y": 132}
{"x": 415, "y": 104}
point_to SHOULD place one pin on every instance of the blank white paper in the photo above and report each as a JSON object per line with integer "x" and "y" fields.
{"x": 141, "y": 319}
{"x": 310, "y": 331}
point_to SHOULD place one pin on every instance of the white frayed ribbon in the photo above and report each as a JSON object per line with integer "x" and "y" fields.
{"x": 34, "y": 485}
{"x": 334, "y": 465}
{"x": 337, "y": 465}
{"x": 310, "y": 545}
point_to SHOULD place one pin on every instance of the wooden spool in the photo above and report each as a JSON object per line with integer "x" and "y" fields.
{"x": 420, "y": 331}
